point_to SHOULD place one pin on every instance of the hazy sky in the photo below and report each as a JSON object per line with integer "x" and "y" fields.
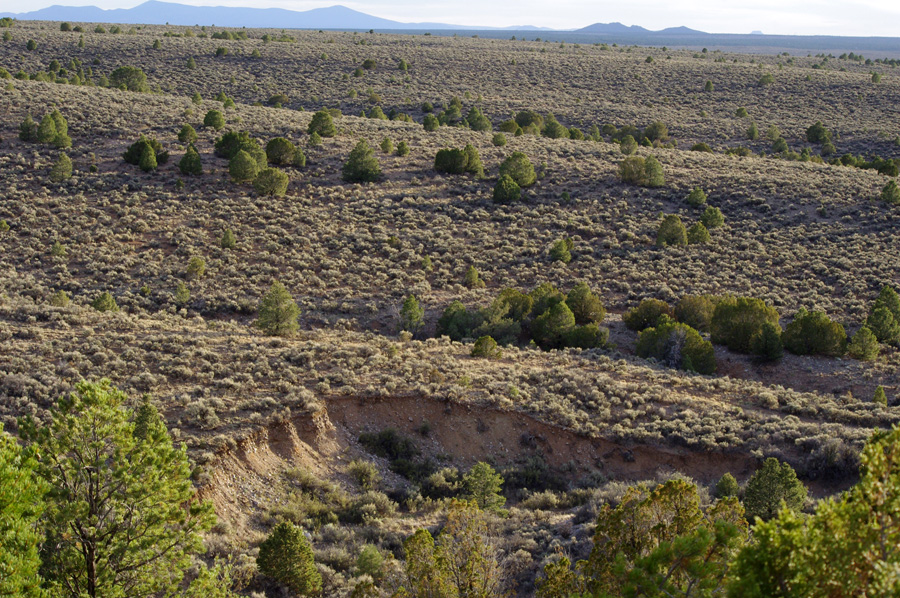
{"x": 802, "y": 17}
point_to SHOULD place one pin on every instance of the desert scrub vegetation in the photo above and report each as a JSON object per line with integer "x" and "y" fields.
{"x": 381, "y": 259}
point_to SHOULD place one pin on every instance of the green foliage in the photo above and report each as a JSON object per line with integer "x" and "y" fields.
{"x": 52, "y": 130}
{"x": 671, "y": 231}
{"x": 486, "y": 347}
{"x": 741, "y": 113}
{"x": 677, "y": 345}
{"x": 285, "y": 556}
{"x": 507, "y": 190}
{"x": 753, "y": 132}
{"x": 477, "y": 120}
{"x": 817, "y": 133}
{"x": 697, "y": 197}
{"x": 561, "y": 250}
{"x": 456, "y": 322}
{"x": 187, "y": 134}
{"x": 727, "y": 486}
{"x": 190, "y": 163}
{"x": 370, "y": 562}
{"x": 105, "y": 302}
{"x": 769, "y": 486}
{"x": 451, "y": 161}
{"x": 58, "y": 249}
{"x": 242, "y": 167}
{"x": 813, "y": 333}
{"x": 779, "y": 146}
{"x": 473, "y": 161}
{"x": 28, "y": 130}
{"x": 362, "y": 165}
{"x": 628, "y": 146}
{"x": 431, "y": 122}
{"x": 411, "y": 315}
{"x": 387, "y": 146}
{"x": 484, "y": 487}
{"x": 653, "y": 173}
{"x": 890, "y": 193}
{"x": 59, "y": 299}
{"x": 548, "y": 329}
{"x": 765, "y": 80}
{"x": 402, "y": 149}
{"x": 696, "y": 311}
{"x": 280, "y": 151}
{"x": 108, "y": 539}
{"x": 586, "y": 306}
{"x": 712, "y": 218}
{"x": 884, "y": 317}
{"x": 196, "y": 267}
{"x": 737, "y": 320}
{"x": 31, "y": 45}
{"x": 767, "y": 344}
{"x": 182, "y": 294}
{"x": 656, "y": 131}
{"x": 228, "y": 240}
{"x": 323, "y": 124}
{"x": 880, "y": 397}
{"x": 698, "y": 234}
{"x": 661, "y": 543}
{"x": 272, "y": 182}
{"x": 498, "y": 140}
{"x": 472, "y": 279}
{"x": 552, "y": 129}
{"x": 129, "y": 78}
{"x": 864, "y": 345}
{"x": 136, "y": 151}
{"x": 631, "y": 170}
{"x": 847, "y": 547}
{"x": 21, "y": 505}
{"x": 588, "y": 336}
{"x": 519, "y": 168}
{"x": 278, "y": 312}
{"x": 62, "y": 169}
{"x": 214, "y": 119}
{"x": 147, "y": 161}
{"x": 646, "y": 314}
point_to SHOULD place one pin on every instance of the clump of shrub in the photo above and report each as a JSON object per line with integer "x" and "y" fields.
{"x": 646, "y": 314}
{"x": 697, "y": 197}
{"x": 736, "y": 320}
{"x": 105, "y": 302}
{"x": 214, "y": 120}
{"x": 671, "y": 231}
{"x": 519, "y": 168}
{"x": 62, "y": 169}
{"x": 677, "y": 345}
{"x": 561, "y": 251}
{"x": 243, "y": 167}
{"x": 323, "y": 124}
{"x": 712, "y": 218}
{"x": 271, "y": 181}
{"x": 52, "y": 130}
{"x": 191, "y": 163}
{"x": 362, "y": 165}
{"x": 507, "y": 190}
{"x": 486, "y": 347}
{"x": 813, "y": 333}
{"x": 884, "y": 316}
{"x": 140, "y": 152}
{"x": 637, "y": 170}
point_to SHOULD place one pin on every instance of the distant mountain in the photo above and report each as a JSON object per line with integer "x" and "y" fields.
{"x": 620, "y": 29}
{"x": 155, "y": 12}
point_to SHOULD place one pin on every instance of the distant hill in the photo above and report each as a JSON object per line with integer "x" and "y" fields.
{"x": 155, "y": 12}
{"x": 620, "y": 29}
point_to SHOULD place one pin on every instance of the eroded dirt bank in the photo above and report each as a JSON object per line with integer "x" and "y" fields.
{"x": 247, "y": 478}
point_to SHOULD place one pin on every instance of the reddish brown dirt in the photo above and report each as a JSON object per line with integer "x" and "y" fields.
{"x": 248, "y": 479}
{"x": 469, "y": 433}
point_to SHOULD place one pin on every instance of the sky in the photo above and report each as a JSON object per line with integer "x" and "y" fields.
{"x": 789, "y": 17}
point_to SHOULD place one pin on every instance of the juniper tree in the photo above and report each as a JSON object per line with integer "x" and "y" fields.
{"x": 62, "y": 169}
{"x": 271, "y": 181}
{"x": 518, "y": 167}
{"x": 278, "y": 312}
{"x": 411, "y": 315}
{"x": 323, "y": 124}
{"x": 362, "y": 165}
{"x": 190, "y": 163}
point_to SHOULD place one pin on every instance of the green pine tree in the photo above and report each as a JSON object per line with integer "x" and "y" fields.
{"x": 122, "y": 515}
{"x": 285, "y": 556}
